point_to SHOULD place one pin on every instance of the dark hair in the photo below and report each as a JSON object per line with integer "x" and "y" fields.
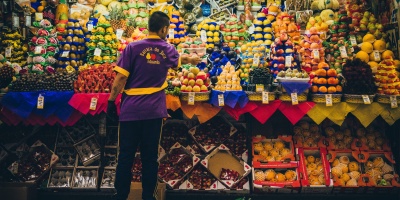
{"x": 157, "y": 21}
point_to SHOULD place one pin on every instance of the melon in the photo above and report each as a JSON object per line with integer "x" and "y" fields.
{"x": 114, "y": 4}
{"x": 379, "y": 45}
{"x": 362, "y": 55}
{"x": 387, "y": 53}
{"x": 369, "y": 38}
{"x": 367, "y": 47}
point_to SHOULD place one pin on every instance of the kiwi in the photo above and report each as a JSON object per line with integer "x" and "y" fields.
{"x": 75, "y": 39}
{"x": 73, "y": 48}
{"x": 69, "y": 39}
{"x": 73, "y": 63}
{"x": 67, "y": 47}
{"x": 76, "y": 32}
{"x": 70, "y": 31}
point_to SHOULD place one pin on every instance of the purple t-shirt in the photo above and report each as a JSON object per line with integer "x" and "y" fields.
{"x": 146, "y": 64}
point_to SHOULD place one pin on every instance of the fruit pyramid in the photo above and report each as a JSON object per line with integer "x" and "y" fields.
{"x": 103, "y": 44}
{"x": 72, "y": 46}
{"x": 194, "y": 80}
{"x": 312, "y": 52}
{"x": 212, "y": 32}
{"x": 373, "y": 50}
{"x": 179, "y": 29}
{"x": 284, "y": 55}
{"x": 285, "y": 23}
{"x": 386, "y": 77}
{"x": 253, "y": 56}
{"x": 324, "y": 80}
{"x": 12, "y": 39}
{"x": 43, "y": 48}
{"x": 117, "y": 18}
{"x": 229, "y": 79}
{"x": 359, "y": 78}
{"x": 136, "y": 11}
{"x": 234, "y": 32}
{"x": 263, "y": 29}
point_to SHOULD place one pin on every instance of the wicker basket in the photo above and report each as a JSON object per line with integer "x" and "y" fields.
{"x": 383, "y": 98}
{"x": 320, "y": 98}
{"x": 257, "y": 96}
{"x": 355, "y": 98}
{"x": 199, "y": 96}
{"x": 288, "y": 98}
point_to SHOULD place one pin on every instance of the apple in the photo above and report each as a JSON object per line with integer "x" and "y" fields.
{"x": 281, "y": 66}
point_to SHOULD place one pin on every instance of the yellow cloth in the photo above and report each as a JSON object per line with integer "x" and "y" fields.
{"x": 145, "y": 91}
{"x": 173, "y": 102}
{"x": 203, "y": 111}
{"x": 390, "y": 115}
{"x": 336, "y": 113}
{"x": 367, "y": 113}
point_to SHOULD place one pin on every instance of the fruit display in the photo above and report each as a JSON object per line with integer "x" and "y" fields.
{"x": 372, "y": 139}
{"x": 373, "y": 50}
{"x": 233, "y": 31}
{"x": 67, "y": 157}
{"x": 103, "y": 44}
{"x": 12, "y": 47}
{"x": 358, "y": 77}
{"x": 312, "y": 51}
{"x": 193, "y": 51}
{"x": 72, "y": 46}
{"x": 201, "y": 179}
{"x": 315, "y": 170}
{"x": 294, "y": 74}
{"x": 237, "y": 143}
{"x": 338, "y": 139}
{"x": 88, "y": 150}
{"x": 179, "y": 33}
{"x": 272, "y": 176}
{"x": 306, "y": 134}
{"x": 228, "y": 80}
{"x": 7, "y": 74}
{"x": 253, "y": 56}
{"x": 211, "y": 30}
{"x": 108, "y": 178}
{"x": 172, "y": 133}
{"x": 43, "y": 48}
{"x": 117, "y": 18}
{"x": 95, "y": 79}
{"x": 264, "y": 149}
{"x": 346, "y": 171}
{"x": 386, "y": 77}
{"x": 263, "y": 29}
{"x": 285, "y": 24}
{"x": 85, "y": 178}
{"x": 325, "y": 80}
{"x": 283, "y": 54}
{"x": 379, "y": 168}
{"x": 194, "y": 80}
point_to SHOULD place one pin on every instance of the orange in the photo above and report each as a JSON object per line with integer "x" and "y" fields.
{"x": 332, "y": 89}
{"x": 322, "y": 89}
{"x": 40, "y": 8}
{"x": 339, "y": 88}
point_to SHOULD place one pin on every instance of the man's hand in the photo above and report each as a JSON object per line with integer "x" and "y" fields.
{"x": 112, "y": 111}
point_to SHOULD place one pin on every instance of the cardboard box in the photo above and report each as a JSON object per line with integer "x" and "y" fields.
{"x": 222, "y": 158}
{"x": 136, "y": 191}
{"x": 18, "y": 191}
{"x": 260, "y": 161}
{"x": 306, "y": 184}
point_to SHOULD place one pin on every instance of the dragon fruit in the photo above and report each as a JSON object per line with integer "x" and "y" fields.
{"x": 50, "y": 69}
{"x": 38, "y": 59}
{"x": 53, "y": 40}
{"x": 45, "y": 23}
{"x": 42, "y": 32}
{"x": 41, "y": 41}
{"x": 51, "y": 60}
{"x": 37, "y": 67}
{"x": 51, "y": 49}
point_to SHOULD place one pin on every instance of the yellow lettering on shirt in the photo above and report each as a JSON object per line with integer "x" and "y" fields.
{"x": 146, "y": 50}
{"x": 163, "y": 54}
{"x": 154, "y": 62}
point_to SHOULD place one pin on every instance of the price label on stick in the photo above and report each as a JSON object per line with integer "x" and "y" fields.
{"x": 15, "y": 21}
{"x": 343, "y": 52}
{"x": 90, "y": 27}
{"x": 366, "y": 99}
{"x": 97, "y": 52}
{"x": 8, "y": 52}
{"x": 38, "y": 16}
{"x": 393, "y": 102}
{"x": 328, "y": 98}
{"x": 28, "y": 21}
{"x": 203, "y": 36}
{"x": 288, "y": 61}
{"x": 191, "y": 96}
{"x": 221, "y": 101}
{"x": 38, "y": 49}
{"x": 256, "y": 60}
{"x": 353, "y": 41}
{"x": 119, "y": 33}
{"x": 93, "y": 103}
{"x": 316, "y": 54}
{"x": 295, "y": 101}
{"x": 377, "y": 56}
{"x": 40, "y": 102}
{"x": 265, "y": 97}
{"x": 171, "y": 33}
{"x": 65, "y": 54}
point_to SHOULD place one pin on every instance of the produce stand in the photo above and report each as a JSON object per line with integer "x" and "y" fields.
{"x": 273, "y": 99}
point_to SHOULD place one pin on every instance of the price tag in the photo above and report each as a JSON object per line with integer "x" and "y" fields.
{"x": 288, "y": 61}
{"x": 40, "y": 102}
{"x": 353, "y": 41}
{"x": 15, "y": 21}
{"x": 38, "y": 16}
{"x": 268, "y": 55}
{"x": 171, "y": 33}
{"x": 203, "y": 36}
{"x": 295, "y": 101}
{"x": 328, "y": 98}
{"x": 65, "y": 54}
{"x": 38, "y": 49}
{"x": 28, "y": 21}
{"x": 343, "y": 52}
{"x": 377, "y": 56}
{"x": 316, "y": 54}
{"x": 259, "y": 87}
{"x": 93, "y": 104}
{"x": 221, "y": 101}
{"x": 256, "y": 60}
{"x": 90, "y": 27}
{"x": 97, "y": 52}
{"x": 366, "y": 99}
{"x": 119, "y": 33}
{"x": 191, "y": 96}
{"x": 265, "y": 97}
{"x": 352, "y": 50}
{"x": 8, "y": 52}
{"x": 393, "y": 102}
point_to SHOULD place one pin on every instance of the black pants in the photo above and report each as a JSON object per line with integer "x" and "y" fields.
{"x": 145, "y": 133}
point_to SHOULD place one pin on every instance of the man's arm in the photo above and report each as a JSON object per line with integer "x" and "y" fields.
{"x": 118, "y": 85}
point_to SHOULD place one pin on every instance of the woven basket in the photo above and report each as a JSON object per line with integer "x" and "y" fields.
{"x": 355, "y": 98}
{"x": 257, "y": 96}
{"x": 383, "y": 98}
{"x": 287, "y": 97}
{"x": 199, "y": 96}
{"x": 320, "y": 98}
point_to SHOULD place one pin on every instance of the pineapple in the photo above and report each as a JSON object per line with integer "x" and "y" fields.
{"x": 130, "y": 27}
{"x": 117, "y": 18}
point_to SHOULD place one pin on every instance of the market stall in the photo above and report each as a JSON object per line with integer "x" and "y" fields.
{"x": 297, "y": 97}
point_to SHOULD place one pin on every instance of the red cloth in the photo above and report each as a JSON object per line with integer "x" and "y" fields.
{"x": 295, "y": 112}
{"x": 81, "y": 102}
{"x": 265, "y": 111}
{"x": 237, "y": 111}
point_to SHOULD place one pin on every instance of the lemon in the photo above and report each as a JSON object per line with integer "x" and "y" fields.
{"x": 205, "y": 27}
{"x": 363, "y": 56}
{"x": 210, "y": 39}
{"x": 367, "y": 47}
{"x": 216, "y": 34}
{"x": 216, "y": 39}
{"x": 199, "y": 26}
{"x": 379, "y": 45}
{"x": 211, "y": 27}
{"x": 386, "y": 54}
{"x": 210, "y": 34}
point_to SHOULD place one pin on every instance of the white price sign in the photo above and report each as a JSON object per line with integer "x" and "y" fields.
{"x": 93, "y": 103}
{"x": 90, "y": 27}
{"x": 316, "y": 54}
{"x": 119, "y": 33}
{"x": 8, "y": 52}
{"x": 353, "y": 41}
{"x": 295, "y": 101}
{"x": 15, "y": 21}
{"x": 40, "y": 102}
{"x": 203, "y": 36}
{"x": 328, "y": 99}
{"x": 38, "y": 49}
{"x": 256, "y": 60}
{"x": 265, "y": 97}
{"x": 343, "y": 52}
{"x": 377, "y": 56}
{"x": 171, "y": 33}
{"x": 393, "y": 102}
{"x": 221, "y": 101}
{"x": 366, "y": 99}
{"x": 38, "y": 16}
{"x": 28, "y": 21}
{"x": 97, "y": 52}
{"x": 65, "y": 54}
{"x": 288, "y": 61}
{"x": 191, "y": 96}
{"x": 268, "y": 55}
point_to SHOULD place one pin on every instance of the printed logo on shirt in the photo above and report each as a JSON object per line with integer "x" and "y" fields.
{"x": 151, "y": 55}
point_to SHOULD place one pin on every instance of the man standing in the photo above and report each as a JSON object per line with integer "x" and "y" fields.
{"x": 142, "y": 71}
